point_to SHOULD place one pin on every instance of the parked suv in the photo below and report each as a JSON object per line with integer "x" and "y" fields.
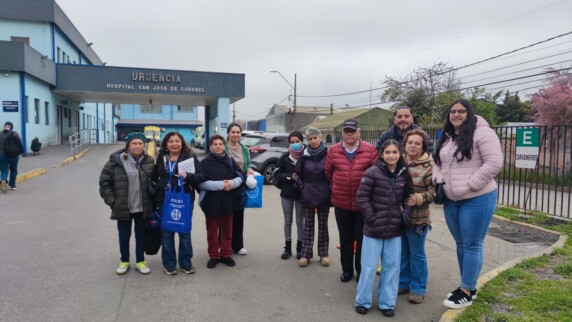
{"x": 265, "y": 150}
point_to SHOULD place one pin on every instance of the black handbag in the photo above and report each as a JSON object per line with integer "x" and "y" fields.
{"x": 439, "y": 197}
{"x": 151, "y": 185}
{"x": 152, "y": 234}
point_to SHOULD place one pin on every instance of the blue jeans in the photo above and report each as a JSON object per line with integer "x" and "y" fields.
{"x": 372, "y": 249}
{"x": 413, "y": 274}
{"x": 168, "y": 253}
{"x": 124, "y": 229}
{"x": 468, "y": 221}
{"x": 9, "y": 164}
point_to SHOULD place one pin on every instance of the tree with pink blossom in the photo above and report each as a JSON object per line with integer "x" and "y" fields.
{"x": 553, "y": 105}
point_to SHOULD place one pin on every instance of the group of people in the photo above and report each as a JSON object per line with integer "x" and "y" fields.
{"x": 381, "y": 197}
{"x": 380, "y": 194}
{"x": 11, "y": 148}
{"x": 124, "y": 185}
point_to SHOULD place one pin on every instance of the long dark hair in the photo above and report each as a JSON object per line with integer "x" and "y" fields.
{"x": 401, "y": 162}
{"x": 185, "y": 149}
{"x": 231, "y": 125}
{"x": 464, "y": 139}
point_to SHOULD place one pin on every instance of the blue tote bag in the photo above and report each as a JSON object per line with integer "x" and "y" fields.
{"x": 177, "y": 210}
{"x": 254, "y": 196}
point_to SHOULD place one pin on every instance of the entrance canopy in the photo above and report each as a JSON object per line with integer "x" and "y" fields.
{"x": 106, "y": 84}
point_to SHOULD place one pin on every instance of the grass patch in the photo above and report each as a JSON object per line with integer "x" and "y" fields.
{"x": 538, "y": 289}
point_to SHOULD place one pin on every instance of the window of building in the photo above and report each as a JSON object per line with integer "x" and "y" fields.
{"x": 68, "y": 59}
{"x": 26, "y": 110}
{"x": 63, "y": 56}
{"x": 59, "y": 53}
{"x": 25, "y": 40}
{"x": 83, "y": 121}
{"x": 184, "y": 108}
{"x": 36, "y": 111}
{"x": 149, "y": 108}
{"x": 47, "y": 112}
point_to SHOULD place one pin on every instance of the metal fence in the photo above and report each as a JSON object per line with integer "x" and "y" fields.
{"x": 548, "y": 188}
{"x": 82, "y": 140}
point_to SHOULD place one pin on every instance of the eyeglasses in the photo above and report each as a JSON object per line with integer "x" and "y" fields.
{"x": 460, "y": 112}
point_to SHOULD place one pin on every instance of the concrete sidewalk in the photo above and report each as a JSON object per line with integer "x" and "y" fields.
{"x": 265, "y": 239}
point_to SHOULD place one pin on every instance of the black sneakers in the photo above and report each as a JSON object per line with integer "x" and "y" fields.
{"x": 473, "y": 293}
{"x": 228, "y": 261}
{"x": 388, "y": 312}
{"x": 361, "y": 309}
{"x": 212, "y": 262}
{"x": 458, "y": 300}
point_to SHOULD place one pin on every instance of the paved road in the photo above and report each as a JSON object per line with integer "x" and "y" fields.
{"x": 59, "y": 253}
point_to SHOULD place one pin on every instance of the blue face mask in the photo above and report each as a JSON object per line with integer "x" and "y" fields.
{"x": 296, "y": 146}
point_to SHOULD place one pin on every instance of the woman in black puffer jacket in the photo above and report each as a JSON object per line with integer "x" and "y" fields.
{"x": 381, "y": 198}
{"x": 289, "y": 194}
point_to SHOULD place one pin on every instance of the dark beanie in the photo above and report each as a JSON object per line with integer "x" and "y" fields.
{"x": 135, "y": 135}
{"x": 9, "y": 124}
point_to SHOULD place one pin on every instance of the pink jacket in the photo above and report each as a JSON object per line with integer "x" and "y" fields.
{"x": 471, "y": 178}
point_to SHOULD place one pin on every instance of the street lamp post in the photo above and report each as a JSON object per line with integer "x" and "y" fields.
{"x": 294, "y": 88}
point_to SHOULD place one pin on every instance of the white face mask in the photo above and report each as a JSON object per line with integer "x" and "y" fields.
{"x": 8, "y": 128}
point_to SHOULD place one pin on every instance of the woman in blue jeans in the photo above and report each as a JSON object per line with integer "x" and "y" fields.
{"x": 123, "y": 185}
{"x": 467, "y": 159}
{"x": 414, "y": 273}
{"x": 173, "y": 151}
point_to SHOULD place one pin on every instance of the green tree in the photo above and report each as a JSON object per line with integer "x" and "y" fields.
{"x": 485, "y": 104}
{"x": 513, "y": 109}
{"x": 425, "y": 90}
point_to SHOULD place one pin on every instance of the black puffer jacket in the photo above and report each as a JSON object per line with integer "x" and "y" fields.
{"x": 377, "y": 200}
{"x": 162, "y": 177}
{"x": 288, "y": 187}
{"x": 114, "y": 186}
{"x": 220, "y": 202}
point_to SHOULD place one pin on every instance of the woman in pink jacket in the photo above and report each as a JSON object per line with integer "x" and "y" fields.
{"x": 467, "y": 159}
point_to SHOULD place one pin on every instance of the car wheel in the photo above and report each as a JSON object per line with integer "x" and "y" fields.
{"x": 267, "y": 173}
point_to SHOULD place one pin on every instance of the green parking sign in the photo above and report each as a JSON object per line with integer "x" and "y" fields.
{"x": 527, "y": 147}
{"x": 528, "y": 137}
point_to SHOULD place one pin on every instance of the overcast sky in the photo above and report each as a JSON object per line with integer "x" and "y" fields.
{"x": 333, "y": 46}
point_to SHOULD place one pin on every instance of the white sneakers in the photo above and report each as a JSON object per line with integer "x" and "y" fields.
{"x": 242, "y": 251}
{"x": 141, "y": 267}
{"x": 123, "y": 268}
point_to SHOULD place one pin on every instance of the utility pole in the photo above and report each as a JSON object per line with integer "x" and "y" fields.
{"x": 294, "y": 114}
{"x": 233, "y": 113}
{"x": 369, "y": 94}
{"x": 331, "y": 109}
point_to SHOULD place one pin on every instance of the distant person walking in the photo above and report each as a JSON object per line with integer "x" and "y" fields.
{"x": 402, "y": 123}
{"x": 347, "y": 162}
{"x": 315, "y": 197}
{"x": 413, "y": 275}
{"x": 467, "y": 159}
{"x": 11, "y": 148}
{"x": 289, "y": 193}
{"x": 174, "y": 150}
{"x": 241, "y": 156}
{"x": 123, "y": 186}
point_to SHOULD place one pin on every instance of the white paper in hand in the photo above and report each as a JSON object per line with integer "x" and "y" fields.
{"x": 187, "y": 166}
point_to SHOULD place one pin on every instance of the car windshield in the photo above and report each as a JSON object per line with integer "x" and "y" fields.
{"x": 249, "y": 141}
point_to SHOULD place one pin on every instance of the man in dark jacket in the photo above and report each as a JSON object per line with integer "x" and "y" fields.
{"x": 10, "y": 149}
{"x": 345, "y": 166}
{"x": 402, "y": 123}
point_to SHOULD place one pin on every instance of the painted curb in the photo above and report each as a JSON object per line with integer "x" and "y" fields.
{"x": 30, "y": 174}
{"x": 451, "y": 314}
{"x": 73, "y": 157}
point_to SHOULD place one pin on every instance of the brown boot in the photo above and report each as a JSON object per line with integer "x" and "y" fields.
{"x": 415, "y": 298}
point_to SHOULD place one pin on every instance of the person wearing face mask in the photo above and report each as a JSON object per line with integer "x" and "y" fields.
{"x": 402, "y": 123}
{"x": 123, "y": 187}
{"x": 289, "y": 194}
{"x": 10, "y": 149}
